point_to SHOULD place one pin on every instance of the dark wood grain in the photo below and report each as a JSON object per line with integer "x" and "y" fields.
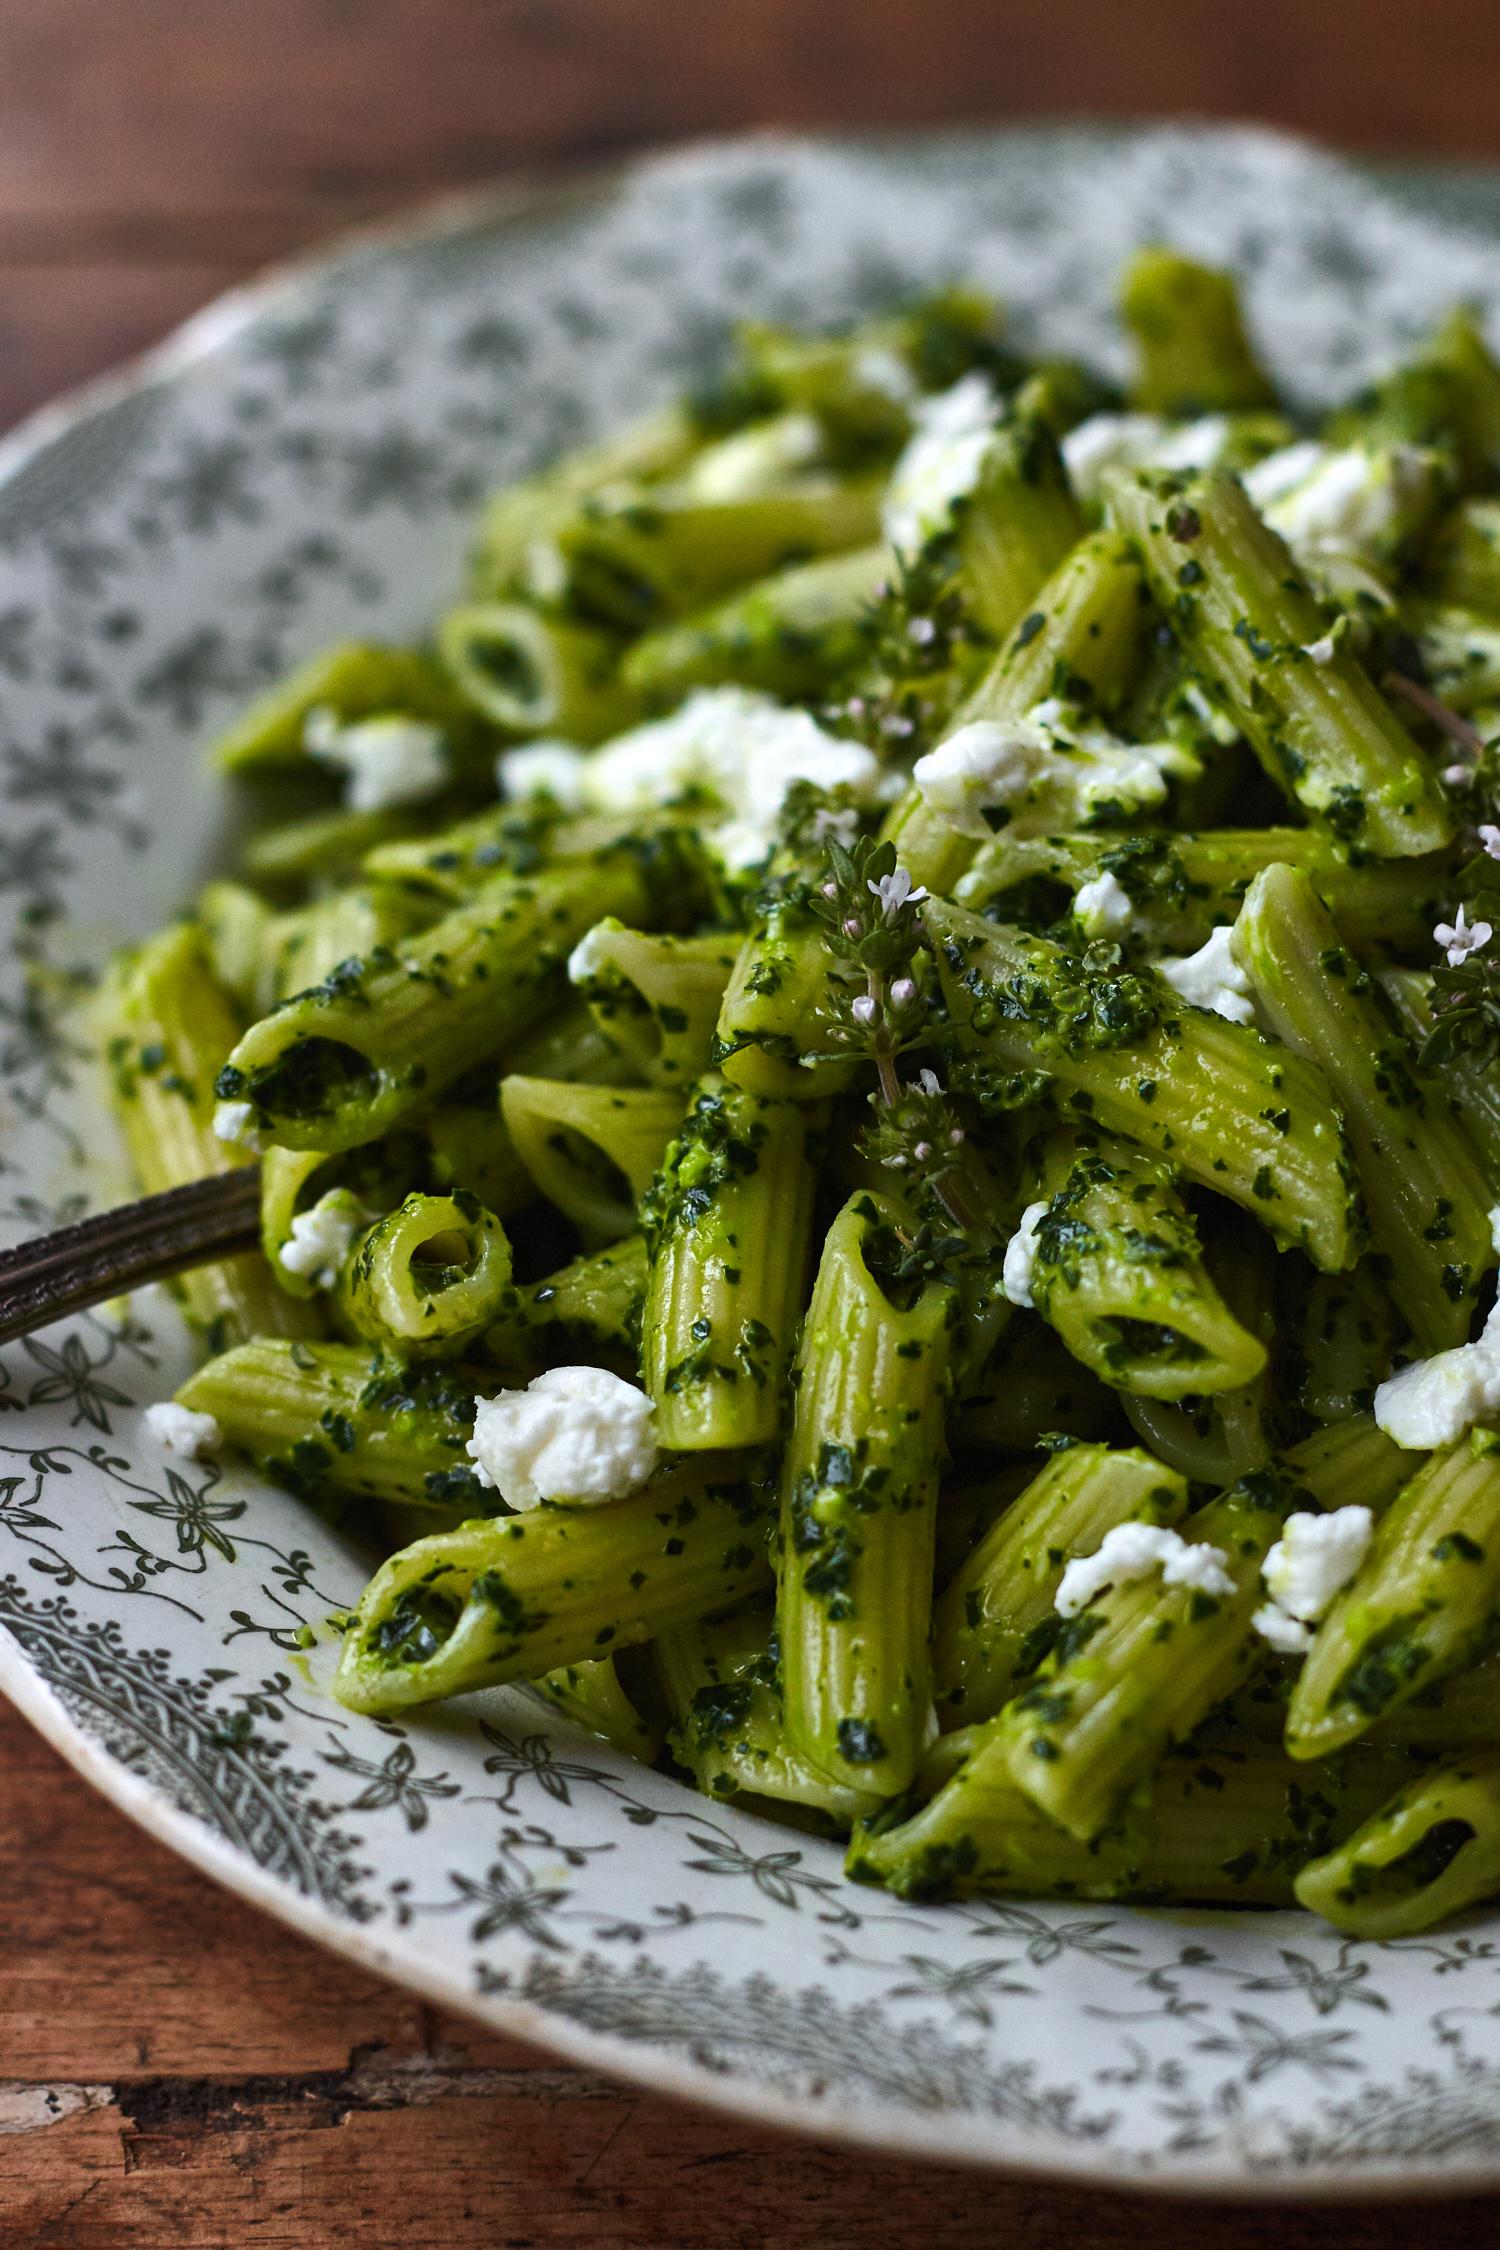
{"x": 180, "y": 2071}
{"x": 174, "y": 2069}
{"x": 150, "y": 152}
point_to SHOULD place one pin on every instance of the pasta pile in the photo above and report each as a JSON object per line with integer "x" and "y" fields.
{"x": 877, "y": 1083}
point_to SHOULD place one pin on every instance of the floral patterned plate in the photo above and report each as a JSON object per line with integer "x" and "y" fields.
{"x": 302, "y": 461}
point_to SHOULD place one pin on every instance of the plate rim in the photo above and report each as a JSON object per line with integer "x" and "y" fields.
{"x": 515, "y": 199}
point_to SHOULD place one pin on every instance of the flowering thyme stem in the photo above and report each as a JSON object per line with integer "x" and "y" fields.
{"x": 885, "y": 1061}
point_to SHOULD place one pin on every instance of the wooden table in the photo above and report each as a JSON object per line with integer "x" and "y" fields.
{"x": 179, "y": 2071}
{"x": 174, "y": 2069}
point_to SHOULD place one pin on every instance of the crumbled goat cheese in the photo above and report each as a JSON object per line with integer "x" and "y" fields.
{"x": 791, "y": 753}
{"x": 1312, "y": 1561}
{"x": 590, "y": 956}
{"x": 1040, "y": 769}
{"x": 180, "y": 1430}
{"x": 941, "y": 463}
{"x": 742, "y": 749}
{"x": 1211, "y": 978}
{"x": 1102, "y": 907}
{"x": 1344, "y": 497}
{"x": 1107, "y": 442}
{"x": 235, "y": 1122}
{"x": 544, "y": 769}
{"x": 1134, "y": 1550}
{"x": 742, "y": 466}
{"x": 984, "y": 765}
{"x": 1435, "y": 1400}
{"x": 1193, "y": 445}
{"x": 320, "y": 1238}
{"x": 1020, "y": 1255}
{"x": 387, "y": 761}
{"x": 577, "y": 1435}
{"x": 1287, "y": 1635}
{"x": 1279, "y": 473}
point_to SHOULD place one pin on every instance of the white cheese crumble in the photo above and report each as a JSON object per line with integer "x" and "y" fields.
{"x": 941, "y": 463}
{"x": 1211, "y": 978}
{"x": 1020, "y": 1255}
{"x": 741, "y": 749}
{"x": 1340, "y": 497}
{"x": 1435, "y": 1400}
{"x": 179, "y": 1430}
{"x": 1312, "y": 1561}
{"x": 1198, "y": 444}
{"x": 985, "y": 764}
{"x": 1108, "y": 442}
{"x": 544, "y": 769}
{"x": 576, "y": 1435}
{"x": 1134, "y": 1550}
{"x": 1279, "y": 473}
{"x": 386, "y": 761}
{"x": 591, "y": 955}
{"x": 745, "y": 465}
{"x": 1041, "y": 768}
{"x": 235, "y": 1122}
{"x": 1105, "y": 442}
{"x": 321, "y": 1238}
{"x": 1102, "y": 907}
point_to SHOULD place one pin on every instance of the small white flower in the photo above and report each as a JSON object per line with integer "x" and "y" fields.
{"x": 929, "y": 1082}
{"x": 895, "y": 891}
{"x": 1461, "y": 937}
{"x": 1489, "y": 836}
{"x": 922, "y": 630}
{"x": 903, "y": 992}
{"x": 1458, "y": 775}
{"x": 1323, "y": 650}
{"x": 863, "y": 1009}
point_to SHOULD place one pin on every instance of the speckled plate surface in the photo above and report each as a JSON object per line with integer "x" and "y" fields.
{"x": 302, "y": 462}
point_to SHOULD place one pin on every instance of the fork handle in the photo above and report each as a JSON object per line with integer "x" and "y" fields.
{"x": 106, "y": 1256}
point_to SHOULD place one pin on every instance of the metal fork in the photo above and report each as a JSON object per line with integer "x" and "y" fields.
{"x": 117, "y": 1251}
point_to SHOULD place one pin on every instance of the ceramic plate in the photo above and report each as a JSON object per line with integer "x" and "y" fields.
{"x": 302, "y": 462}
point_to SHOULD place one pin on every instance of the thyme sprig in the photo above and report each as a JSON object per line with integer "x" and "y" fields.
{"x": 867, "y": 906}
{"x": 1466, "y": 982}
{"x": 918, "y": 632}
{"x": 877, "y": 1009}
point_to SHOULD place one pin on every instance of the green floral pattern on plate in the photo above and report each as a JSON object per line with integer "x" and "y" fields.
{"x": 303, "y": 462}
